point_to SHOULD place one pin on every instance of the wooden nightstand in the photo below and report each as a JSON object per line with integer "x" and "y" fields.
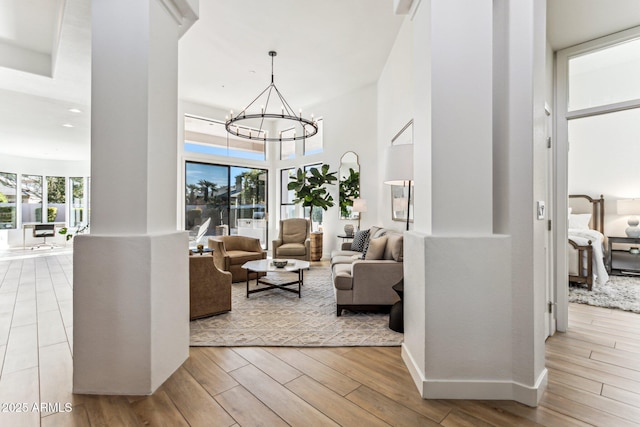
{"x": 622, "y": 261}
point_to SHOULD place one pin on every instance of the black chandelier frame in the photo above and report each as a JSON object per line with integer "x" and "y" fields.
{"x": 235, "y": 127}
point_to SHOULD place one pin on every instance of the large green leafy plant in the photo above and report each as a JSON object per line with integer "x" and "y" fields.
{"x": 310, "y": 188}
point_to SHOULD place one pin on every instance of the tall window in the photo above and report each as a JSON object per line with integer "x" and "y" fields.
{"x": 314, "y": 145}
{"x": 232, "y": 199}
{"x": 287, "y": 208}
{"x": 56, "y": 198}
{"x": 8, "y": 200}
{"x": 288, "y": 148}
{"x": 31, "y": 189}
{"x": 209, "y": 136}
{"x": 79, "y": 214}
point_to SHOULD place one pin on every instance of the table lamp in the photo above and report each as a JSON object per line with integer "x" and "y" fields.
{"x": 630, "y": 207}
{"x": 359, "y": 205}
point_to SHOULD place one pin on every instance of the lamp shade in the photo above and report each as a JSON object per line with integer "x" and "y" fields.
{"x": 628, "y": 207}
{"x": 359, "y": 205}
{"x": 399, "y": 166}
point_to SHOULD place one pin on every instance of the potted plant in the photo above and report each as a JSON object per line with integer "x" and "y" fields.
{"x": 310, "y": 188}
{"x": 67, "y": 233}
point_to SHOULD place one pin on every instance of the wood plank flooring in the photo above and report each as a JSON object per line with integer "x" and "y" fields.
{"x": 594, "y": 375}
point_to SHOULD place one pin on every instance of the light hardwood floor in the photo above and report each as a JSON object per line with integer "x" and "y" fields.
{"x": 594, "y": 375}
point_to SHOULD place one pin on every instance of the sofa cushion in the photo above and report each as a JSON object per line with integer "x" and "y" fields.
{"x": 294, "y": 230}
{"x": 342, "y": 276}
{"x": 345, "y": 259}
{"x": 394, "y": 250}
{"x": 240, "y": 257}
{"x": 292, "y": 249}
{"x": 376, "y": 248}
{"x": 359, "y": 240}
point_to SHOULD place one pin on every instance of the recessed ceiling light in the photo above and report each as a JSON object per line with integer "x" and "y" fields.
{"x": 75, "y": 110}
{"x": 68, "y": 125}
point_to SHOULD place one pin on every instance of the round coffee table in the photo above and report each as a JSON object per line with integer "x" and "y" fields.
{"x": 266, "y": 265}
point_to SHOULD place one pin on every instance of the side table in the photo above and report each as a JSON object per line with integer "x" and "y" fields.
{"x": 316, "y": 246}
{"x": 396, "y": 315}
{"x": 623, "y": 261}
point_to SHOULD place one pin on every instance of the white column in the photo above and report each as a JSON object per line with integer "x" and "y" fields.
{"x": 131, "y": 295}
{"x": 471, "y": 331}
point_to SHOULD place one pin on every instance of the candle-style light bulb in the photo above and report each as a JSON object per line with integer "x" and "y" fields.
{"x": 231, "y": 112}
{"x": 300, "y": 111}
{"x": 262, "y": 109}
{"x": 282, "y": 109}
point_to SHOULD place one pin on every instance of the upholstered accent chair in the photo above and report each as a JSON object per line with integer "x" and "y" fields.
{"x": 293, "y": 240}
{"x": 209, "y": 288}
{"x": 230, "y": 252}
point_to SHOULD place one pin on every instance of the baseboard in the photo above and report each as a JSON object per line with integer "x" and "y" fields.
{"x": 474, "y": 390}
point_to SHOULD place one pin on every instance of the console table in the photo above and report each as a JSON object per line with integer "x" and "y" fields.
{"x": 623, "y": 261}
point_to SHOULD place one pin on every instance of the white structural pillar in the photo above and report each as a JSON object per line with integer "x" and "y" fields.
{"x": 131, "y": 293}
{"x": 471, "y": 331}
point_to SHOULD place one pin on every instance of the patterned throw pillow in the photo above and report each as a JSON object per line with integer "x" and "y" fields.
{"x": 359, "y": 240}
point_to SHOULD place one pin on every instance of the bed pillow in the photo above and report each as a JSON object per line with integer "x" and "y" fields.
{"x": 579, "y": 221}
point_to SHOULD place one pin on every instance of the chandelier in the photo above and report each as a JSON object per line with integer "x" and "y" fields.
{"x": 250, "y": 124}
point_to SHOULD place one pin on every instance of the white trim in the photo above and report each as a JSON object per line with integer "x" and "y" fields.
{"x": 184, "y": 12}
{"x": 475, "y": 390}
{"x": 561, "y": 153}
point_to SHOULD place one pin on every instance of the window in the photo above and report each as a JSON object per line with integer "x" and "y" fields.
{"x": 79, "y": 203}
{"x": 605, "y": 76}
{"x": 56, "y": 198}
{"x": 287, "y": 207}
{"x": 287, "y": 148}
{"x": 314, "y": 145}
{"x": 8, "y": 200}
{"x": 31, "y": 189}
{"x": 233, "y": 198}
{"x": 208, "y": 136}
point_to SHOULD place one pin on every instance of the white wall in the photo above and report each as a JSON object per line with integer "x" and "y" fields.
{"x": 395, "y": 109}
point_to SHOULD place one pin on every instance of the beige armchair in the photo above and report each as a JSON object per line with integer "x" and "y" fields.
{"x": 230, "y": 252}
{"x": 293, "y": 240}
{"x": 209, "y": 288}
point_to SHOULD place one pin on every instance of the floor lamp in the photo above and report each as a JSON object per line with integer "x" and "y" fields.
{"x": 399, "y": 169}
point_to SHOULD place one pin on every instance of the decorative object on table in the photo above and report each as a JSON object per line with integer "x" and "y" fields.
{"x": 280, "y": 263}
{"x": 634, "y": 250}
{"x": 630, "y": 207}
{"x": 200, "y": 248}
{"x": 309, "y": 188}
{"x": 349, "y": 184}
{"x": 251, "y": 124}
{"x": 348, "y": 229}
{"x": 67, "y": 233}
{"x": 359, "y": 206}
{"x": 399, "y": 173}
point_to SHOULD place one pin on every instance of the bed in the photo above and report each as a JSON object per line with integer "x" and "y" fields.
{"x": 586, "y": 241}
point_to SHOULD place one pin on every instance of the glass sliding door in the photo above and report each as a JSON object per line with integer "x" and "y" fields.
{"x": 229, "y": 199}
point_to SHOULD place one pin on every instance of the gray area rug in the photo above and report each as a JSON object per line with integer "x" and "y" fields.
{"x": 280, "y": 318}
{"x": 619, "y": 292}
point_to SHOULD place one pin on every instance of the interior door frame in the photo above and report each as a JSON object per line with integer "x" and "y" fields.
{"x": 561, "y": 156}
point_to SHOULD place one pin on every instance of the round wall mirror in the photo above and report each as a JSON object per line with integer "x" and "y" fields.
{"x": 349, "y": 184}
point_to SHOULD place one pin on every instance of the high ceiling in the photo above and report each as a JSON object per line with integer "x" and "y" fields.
{"x": 325, "y": 48}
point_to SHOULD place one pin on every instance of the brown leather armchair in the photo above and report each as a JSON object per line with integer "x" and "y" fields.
{"x": 231, "y": 252}
{"x": 293, "y": 240}
{"x": 209, "y": 288}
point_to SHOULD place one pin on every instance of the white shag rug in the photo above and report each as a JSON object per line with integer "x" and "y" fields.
{"x": 619, "y": 292}
{"x": 280, "y": 318}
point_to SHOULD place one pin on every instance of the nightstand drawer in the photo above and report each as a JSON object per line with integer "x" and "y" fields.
{"x": 625, "y": 261}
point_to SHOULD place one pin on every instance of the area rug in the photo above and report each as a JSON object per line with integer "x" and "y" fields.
{"x": 619, "y": 292}
{"x": 279, "y": 318}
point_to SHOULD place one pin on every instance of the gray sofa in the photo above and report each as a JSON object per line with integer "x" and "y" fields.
{"x": 366, "y": 283}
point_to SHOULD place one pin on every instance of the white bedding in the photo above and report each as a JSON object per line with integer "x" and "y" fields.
{"x": 582, "y": 237}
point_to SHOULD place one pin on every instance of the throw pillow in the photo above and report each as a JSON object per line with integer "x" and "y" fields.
{"x": 376, "y": 248}
{"x": 359, "y": 239}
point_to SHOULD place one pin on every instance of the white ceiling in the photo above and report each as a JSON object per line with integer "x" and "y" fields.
{"x": 325, "y": 48}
